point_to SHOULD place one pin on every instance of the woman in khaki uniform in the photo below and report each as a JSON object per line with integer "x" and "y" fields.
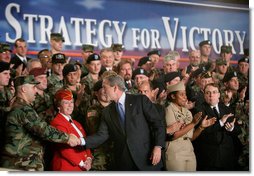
{"x": 180, "y": 154}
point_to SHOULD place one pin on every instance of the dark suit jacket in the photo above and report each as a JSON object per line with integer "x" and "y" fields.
{"x": 16, "y": 61}
{"x": 214, "y": 148}
{"x": 142, "y": 121}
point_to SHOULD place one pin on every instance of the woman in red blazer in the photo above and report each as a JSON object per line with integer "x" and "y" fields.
{"x": 66, "y": 158}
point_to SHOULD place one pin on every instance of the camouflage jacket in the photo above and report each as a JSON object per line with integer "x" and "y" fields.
{"x": 54, "y": 84}
{"x": 43, "y": 105}
{"x": 25, "y": 132}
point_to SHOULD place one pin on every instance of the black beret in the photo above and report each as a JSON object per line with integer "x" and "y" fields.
{"x": 87, "y": 47}
{"x": 229, "y": 75}
{"x": 97, "y": 86}
{"x": 143, "y": 60}
{"x": 58, "y": 58}
{"x": 170, "y": 76}
{"x": 117, "y": 47}
{"x": 225, "y": 49}
{"x": 56, "y": 36}
{"x": 205, "y": 42}
{"x": 197, "y": 72}
{"x": 154, "y": 52}
{"x": 4, "y": 66}
{"x": 139, "y": 71}
{"x": 93, "y": 57}
{"x": 243, "y": 59}
{"x": 69, "y": 68}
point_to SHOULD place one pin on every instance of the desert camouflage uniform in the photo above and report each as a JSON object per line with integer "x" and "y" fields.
{"x": 25, "y": 132}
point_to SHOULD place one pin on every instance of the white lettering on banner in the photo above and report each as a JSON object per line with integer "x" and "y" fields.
{"x": 77, "y": 31}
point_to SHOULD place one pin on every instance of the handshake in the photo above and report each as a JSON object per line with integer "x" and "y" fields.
{"x": 74, "y": 140}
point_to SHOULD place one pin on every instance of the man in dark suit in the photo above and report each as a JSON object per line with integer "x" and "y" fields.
{"x": 214, "y": 148}
{"x": 20, "y": 57}
{"x": 134, "y": 125}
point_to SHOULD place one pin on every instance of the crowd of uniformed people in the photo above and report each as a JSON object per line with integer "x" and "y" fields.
{"x": 50, "y": 104}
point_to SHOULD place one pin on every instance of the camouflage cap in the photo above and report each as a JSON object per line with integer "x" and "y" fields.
{"x": 143, "y": 60}
{"x": 243, "y": 59}
{"x": 229, "y": 75}
{"x": 93, "y": 57}
{"x": 4, "y": 66}
{"x": 57, "y": 37}
{"x": 205, "y": 42}
{"x": 21, "y": 80}
{"x": 154, "y": 52}
{"x": 117, "y": 47}
{"x": 139, "y": 71}
{"x": 58, "y": 58}
{"x": 225, "y": 49}
{"x": 69, "y": 68}
{"x": 176, "y": 87}
{"x": 221, "y": 61}
{"x": 87, "y": 48}
{"x": 5, "y": 47}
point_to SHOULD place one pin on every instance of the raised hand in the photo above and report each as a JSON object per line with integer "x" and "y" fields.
{"x": 197, "y": 117}
{"x": 73, "y": 140}
{"x": 208, "y": 122}
{"x": 225, "y": 117}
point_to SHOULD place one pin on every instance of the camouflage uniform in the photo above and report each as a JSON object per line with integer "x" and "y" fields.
{"x": 54, "y": 84}
{"x": 103, "y": 159}
{"x": 5, "y": 98}
{"x": 89, "y": 83}
{"x": 25, "y": 131}
{"x": 84, "y": 71}
{"x": 43, "y": 105}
